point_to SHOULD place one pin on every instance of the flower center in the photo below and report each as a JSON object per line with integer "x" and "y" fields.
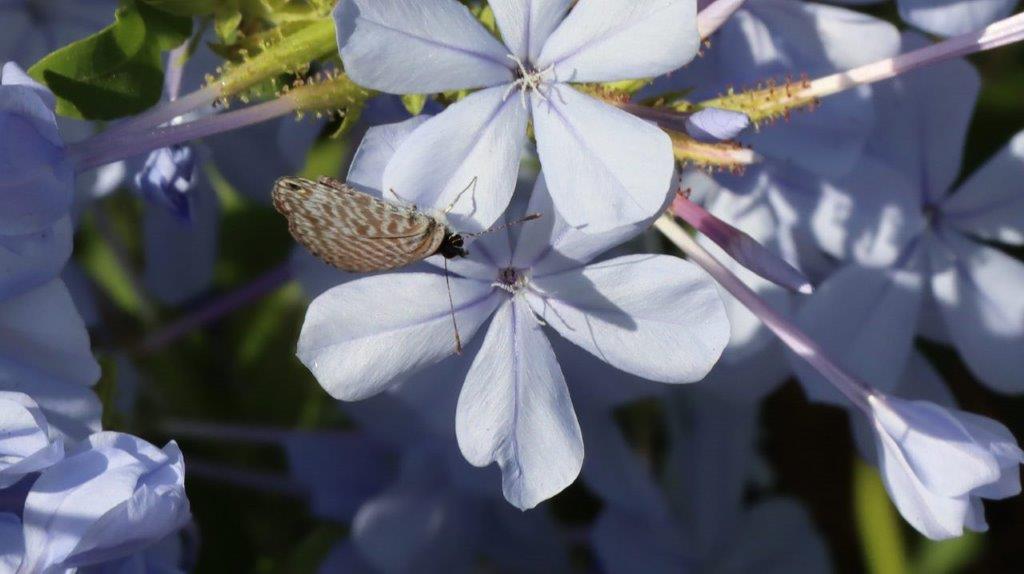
{"x": 528, "y": 79}
{"x": 512, "y": 280}
{"x": 932, "y": 214}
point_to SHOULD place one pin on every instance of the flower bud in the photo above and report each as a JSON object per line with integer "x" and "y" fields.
{"x": 938, "y": 463}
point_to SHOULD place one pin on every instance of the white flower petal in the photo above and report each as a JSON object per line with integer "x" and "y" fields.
{"x": 997, "y": 439}
{"x": 526, "y": 24}
{"x": 935, "y": 516}
{"x": 605, "y": 168}
{"x": 418, "y": 46}
{"x": 550, "y": 245}
{"x": 937, "y": 448}
{"x": 866, "y": 319}
{"x": 515, "y": 410}
{"x": 474, "y": 144}
{"x": 655, "y": 316}
{"x": 922, "y": 120}
{"x": 375, "y": 150}
{"x": 979, "y": 295}
{"x": 868, "y": 215}
{"x": 951, "y": 18}
{"x": 42, "y": 335}
{"x": 31, "y": 260}
{"x": 990, "y": 203}
{"x": 25, "y": 445}
{"x": 363, "y": 336}
{"x": 609, "y": 40}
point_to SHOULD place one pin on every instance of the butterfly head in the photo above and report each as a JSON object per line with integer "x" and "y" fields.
{"x": 453, "y": 245}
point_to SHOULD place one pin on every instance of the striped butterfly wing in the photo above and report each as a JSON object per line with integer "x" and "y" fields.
{"x": 352, "y": 230}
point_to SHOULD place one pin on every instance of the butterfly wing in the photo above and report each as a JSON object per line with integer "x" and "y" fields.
{"x": 352, "y": 230}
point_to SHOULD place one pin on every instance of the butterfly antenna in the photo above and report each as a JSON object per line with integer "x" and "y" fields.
{"x": 519, "y": 221}
{"x": 451, "y": 305}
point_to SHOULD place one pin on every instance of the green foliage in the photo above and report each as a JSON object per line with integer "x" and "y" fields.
{"x": 879, "y": 525}
{"x": 414, "y": 103}
{"x": 118, "y": 71}
{"x": 185, "y": 7}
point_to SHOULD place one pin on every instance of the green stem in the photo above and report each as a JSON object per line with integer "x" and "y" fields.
{"x": 880, "y": 530}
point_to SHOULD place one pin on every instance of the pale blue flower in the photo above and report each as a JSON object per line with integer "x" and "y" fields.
{"x": 167, "y": 177}
{"x": 45, "y": 353}
{"x": 12, "y": 542}
{"x": 701, "y": 523}
{"x": 113, "y": 495}
{"x": 411, "y": 502}
{"x": 922, "y": 260}
{"x": 181, "y": 243}
{"x": 25, "y": 443}
{"x": 605, "y": 167}
{"x": 948, "y": 17}
{"x": 790, "y": 39}
{"x": 651, "y": 315}
{"x": 38, "y": 178}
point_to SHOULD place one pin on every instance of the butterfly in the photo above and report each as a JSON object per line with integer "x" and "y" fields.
{"x": 357, "y": 232}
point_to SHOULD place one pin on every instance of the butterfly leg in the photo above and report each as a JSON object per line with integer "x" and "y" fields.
{"x": 401, "y": 199}
{"x": 471, "y": 186}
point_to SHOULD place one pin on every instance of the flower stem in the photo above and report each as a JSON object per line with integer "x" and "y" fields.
{"x": 102, "y": 150}
{"x": 856, "y": 390}
{"x": 331, "y": 93}
{"x": 217, "y": 309}
{"x": 1001, "y": 33}
{"x": 775, "y": 101}
{"x": 161, "y": 114}
{"x": 711, "y": 17}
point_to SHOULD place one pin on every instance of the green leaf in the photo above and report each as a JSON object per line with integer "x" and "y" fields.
{"x": 414, "y": 103}
{"x": 163, "y": 30}
{"x": 226, "y": 18}
{"x": 117, "y": 71}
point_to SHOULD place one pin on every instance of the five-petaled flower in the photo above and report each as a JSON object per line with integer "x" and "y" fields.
{"x": 656, "y": 316}
{"x": 605, "y": 168}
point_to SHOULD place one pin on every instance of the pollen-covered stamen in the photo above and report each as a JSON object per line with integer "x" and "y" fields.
{"x": 527, "y": 79}
{"x": 512, "y": 280}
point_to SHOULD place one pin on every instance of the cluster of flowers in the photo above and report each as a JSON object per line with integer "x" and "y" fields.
{"x": 71, "y": 495}
{"x": 857, "y": 199}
